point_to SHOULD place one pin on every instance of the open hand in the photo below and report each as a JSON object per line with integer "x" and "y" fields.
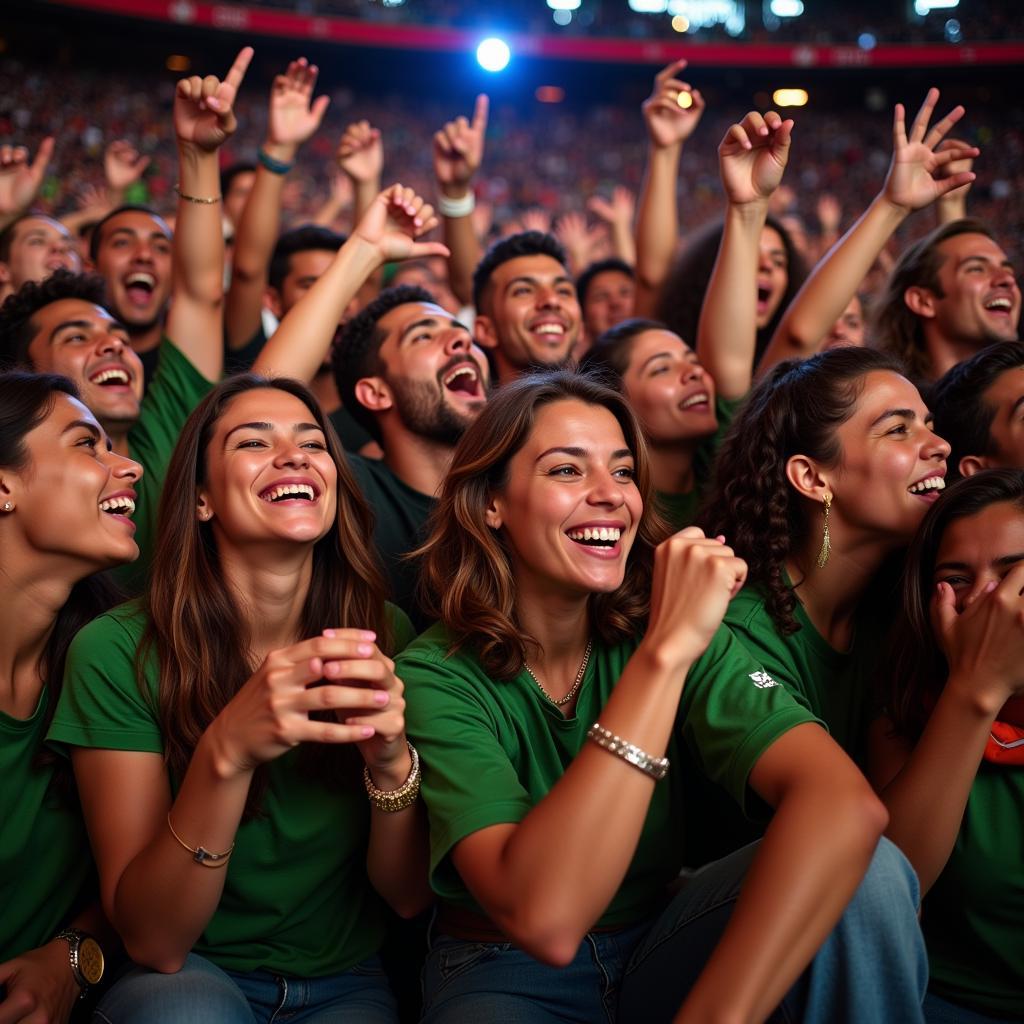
{"x": 19, "y": 179}
{"x": 294, "y": 114}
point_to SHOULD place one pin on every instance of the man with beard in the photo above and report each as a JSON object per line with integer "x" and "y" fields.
{"x": 411, "y": 374}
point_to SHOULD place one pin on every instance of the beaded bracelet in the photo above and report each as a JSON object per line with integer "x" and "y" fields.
{"x": 196, "y": 199}
{"x": 655, "y": 767}
{"x": 392, "y": 800}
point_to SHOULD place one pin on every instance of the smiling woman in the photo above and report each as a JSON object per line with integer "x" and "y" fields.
{"x": 65, "y": 514}
{"x": 232, "y": 712}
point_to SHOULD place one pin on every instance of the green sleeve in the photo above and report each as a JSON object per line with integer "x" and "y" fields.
{"x": 469, "y": 781}
{"x": 732, "y": 711}
{"x": 101, "y": 704}
{"x": 402, "y": 630}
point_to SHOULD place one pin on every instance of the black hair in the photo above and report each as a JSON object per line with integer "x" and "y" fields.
{"x": 355, "y": 353}
{"x": 957, "y": 401}
{"x": 97, "y": 231}
{"x": 609, "y": 355}
{"x": 7, "y": 235}
{"x": 232, "y": 171}
{"x": 525, "y": 243}
{"x": 16, "y": 327}
{"x": 304, "y": 238}
{"x": 610, "y": 265}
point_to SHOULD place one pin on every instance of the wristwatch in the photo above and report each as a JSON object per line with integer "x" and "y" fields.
{"x": 86, "y": 957}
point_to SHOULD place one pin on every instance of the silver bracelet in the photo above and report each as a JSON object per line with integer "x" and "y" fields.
{"x": 461, "y": 207}
{"x": 655, "y": 767}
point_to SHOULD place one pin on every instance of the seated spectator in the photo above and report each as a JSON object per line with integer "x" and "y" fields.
{"x": 948, "y": 757}
{"x": 266, "y": 584}
{"x": 977, "y": 406}
{"x": 66, "y": 501}
{"x": 562, "y": 602}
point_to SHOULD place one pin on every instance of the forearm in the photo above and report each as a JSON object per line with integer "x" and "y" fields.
{"x": 835, "y": 281}
{"x": 727, "y": 330}
{"x": 364, "y": 193}
{"x": 658, "y": 219}
{"x": 466, "y": 253}
{"x": 299, "y": 345}
{"x": 812, "y": 858}
{"x": 950, "y": 208}
{"x": 163, "y": 899}
{"x": 623, "y": 242}
{"x": 926, "y": 800}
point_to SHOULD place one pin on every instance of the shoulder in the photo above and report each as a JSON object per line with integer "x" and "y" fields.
{"x": 116, "y": 630}
{"x": 402, "y": 630}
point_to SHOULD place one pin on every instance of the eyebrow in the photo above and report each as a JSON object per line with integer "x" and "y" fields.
{"x": 298, "y": 428}
{"x": 86, "y": 325}
{"x": 430, "y": 321}
{"x": 75, "y": 424}
{"x": 141, "y": 234}
{"x": 650, "y": 359}
{"x": 907, "y": 414}
{"x": 983, "y": 258}
{"x": 530, "y": 279}
{"x": 582, "y": 453}
{"x": 1005, "y": 560}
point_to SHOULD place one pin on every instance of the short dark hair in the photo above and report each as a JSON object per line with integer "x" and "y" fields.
{"x": 611, "y": 265}
{"x": 16, "y": 326}
{"x": 355, "y": 353}
{"x": 609, "y": 355}
{"x": 304, "y": 238}
{"x": 97, "y": 231}
{"x": 232, "y": 171}
{"x": 525, "y": 243}
{"x": 957, "y": 400}
{"x": 7, "y": 235}
{"x": 896, "y": 328}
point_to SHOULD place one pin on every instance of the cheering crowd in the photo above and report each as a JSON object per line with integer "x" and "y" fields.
{"x": 417, "y": 615}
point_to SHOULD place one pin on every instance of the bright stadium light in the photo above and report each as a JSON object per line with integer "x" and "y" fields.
{"x": 493, "y": 54}
{"x": 787, "y": 8}
{"x": 648, "y": 6}
{"x": 705, "y": 13}
{"x": 790, "y": 97}
{"x": 922, "y": 7}
{"x": 564, "y": 5}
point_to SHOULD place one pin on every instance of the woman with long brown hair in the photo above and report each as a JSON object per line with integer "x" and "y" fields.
{"x": 578, "y": 657}
{"x": 212, "y": 730}
{"x": 66, "y": 502}
{"x": 948, "y": 756}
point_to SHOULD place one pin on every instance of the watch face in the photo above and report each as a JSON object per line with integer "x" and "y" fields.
{"x": 90, "y": 960}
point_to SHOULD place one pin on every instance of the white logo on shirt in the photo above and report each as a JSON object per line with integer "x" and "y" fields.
{"x": 762, "y": 680}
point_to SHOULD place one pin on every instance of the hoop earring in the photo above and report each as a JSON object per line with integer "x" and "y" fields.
{"x": 826, "y": 541}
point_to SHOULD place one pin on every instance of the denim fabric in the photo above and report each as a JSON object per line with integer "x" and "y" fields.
{"x": 202, "y": 993}
{"x": 478, "y": 982}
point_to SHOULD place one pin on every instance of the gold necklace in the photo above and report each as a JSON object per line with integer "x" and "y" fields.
{"x": 577, "y": 682}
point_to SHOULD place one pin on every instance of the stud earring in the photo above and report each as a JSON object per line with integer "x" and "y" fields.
{"x": 826, "y": 541}
{"x": 8, "y": 507}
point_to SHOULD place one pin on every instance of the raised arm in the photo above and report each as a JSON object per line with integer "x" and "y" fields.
{"x": 204, "y": 120}
{"x": 594, "y": 814}
{"x": 20, "y": 180}
{"x": 361, "y": 159}
{"x": 458, "y": 153}
{"x": 671, "y": 113}
{"x": 915, "y": 180}
{"x": 388, "y": 231}
{"x": 293, "y": 117}
{"x": 618, "y": 214}
{"x": 752, "y": 158}
{"x": 926, "y": 786}
{"x": 123, "y": 166}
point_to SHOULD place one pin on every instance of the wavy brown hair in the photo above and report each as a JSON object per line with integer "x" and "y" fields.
{"x": 795, "y": 410}
{"x": 196, "y": 628}
{"x": 467, "y": 579}
{"x": 916, "y": 668}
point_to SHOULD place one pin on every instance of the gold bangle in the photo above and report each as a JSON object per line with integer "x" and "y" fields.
{"x": 392, "y": 800}
{"x": 196, "y": 199}
{"x": 199, "y": 853}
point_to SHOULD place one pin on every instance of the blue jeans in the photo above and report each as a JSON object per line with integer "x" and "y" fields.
{"x": 202, "y": 993}
{"x": 871, "y": 968}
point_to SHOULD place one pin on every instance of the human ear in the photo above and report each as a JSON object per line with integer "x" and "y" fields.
{"x": 203, "y": 511}
{"x": 806, "y": 478}
{"x": 492, "y": 515}
{"x": 483, "y": 332}
{"x": 971, "y": 464}
{"x": 920, "y": 301}
{"x": 374, "y": 394}
{"x": 272, "y": 300}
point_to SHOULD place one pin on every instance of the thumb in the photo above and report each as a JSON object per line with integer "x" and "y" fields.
{"x": 422, "y": 249}
{"x": 319, "y": 107}
{"x": 944, "y": 609}
{"x": 42, "y": 157}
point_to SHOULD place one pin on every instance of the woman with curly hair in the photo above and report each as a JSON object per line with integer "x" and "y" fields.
{"x": 578, "y": 655}
{"x": 948, "y": 757}
{"x": 827, "y": 471}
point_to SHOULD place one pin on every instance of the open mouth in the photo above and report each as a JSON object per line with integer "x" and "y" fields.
{"x": 929, "y": 488}
{"x": 596, "y": 537}
{"x": 464, "y": 380}
{"x": 139, "y": 288}
{"x": 699, "y": 402}
{"x": 764, "y": 293}
{"x": 550, "y": 333}
{"x": 111, "y": 376}
{"x": 119, "y": 506}
{"x": 289, "y": 492}
{"x": 1001, "y": 305}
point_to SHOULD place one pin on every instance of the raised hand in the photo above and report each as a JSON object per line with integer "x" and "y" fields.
{"x": 204, "y": 113}
{"x": 536, "y": 220}
{"x": 752, "y": 157}
{"x": 294, "y": 114}
{"x": 578, "y": 239}
{"x": 674, "y": 108}
{"x": 695, "y": 577}
{"x": 459, "y": 150}
{"x": 917, "y": 175}
{"x": 361, "y": 153}
{"x": 123, "y": 165}
{"x": 830, "y": 214}
{"x": 618, "y": 212}
{"x": 394, "y": 222}
{"x": 19, "y": 179}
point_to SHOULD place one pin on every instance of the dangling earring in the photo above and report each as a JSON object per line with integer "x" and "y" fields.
{"x": 826, "y": 541}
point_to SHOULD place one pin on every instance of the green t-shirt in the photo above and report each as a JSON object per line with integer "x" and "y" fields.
{"x": 834, "y": 686}
{"x": 973, "y": 916}
{"x": 400, "y": 515}
{"x": 296, "y": 897}
{"x": 491, "y": 750}
{"x": 176, "y": 389}
{"x": 681, "y": 509}
{"x": 46, "y": 871}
